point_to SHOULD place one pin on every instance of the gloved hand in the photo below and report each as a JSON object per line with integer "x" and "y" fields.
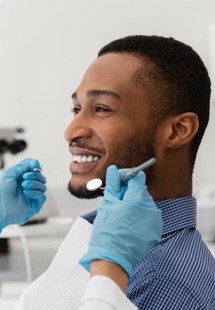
{"x": 127, "y": 225}
{"x": 21, "y": 193}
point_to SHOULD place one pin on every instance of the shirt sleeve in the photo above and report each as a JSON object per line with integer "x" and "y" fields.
{"x": 104, "y": 294}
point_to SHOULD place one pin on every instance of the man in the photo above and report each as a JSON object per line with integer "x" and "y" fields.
{"x": 143, "y": 97}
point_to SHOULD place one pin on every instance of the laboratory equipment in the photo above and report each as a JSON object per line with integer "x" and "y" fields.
{"x": 9, "y": 142}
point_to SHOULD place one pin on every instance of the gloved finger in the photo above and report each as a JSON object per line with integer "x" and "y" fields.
{"x": 19, "y": 169}
{"x": 112, "y": 181}
{"x": 35, "y": 164}
{"x": 114, "y": 185}
{"x": 35, "y": 194}
{"x": 34, "y": 176}
{"x": 34, "y": 185}
{"x": 112, "y": 177}
{"x": 137, "y": 189}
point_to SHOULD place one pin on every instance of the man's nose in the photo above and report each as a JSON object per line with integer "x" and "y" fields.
{"x": 78, "y": 129}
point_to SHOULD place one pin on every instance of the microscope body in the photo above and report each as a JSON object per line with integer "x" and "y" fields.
{"x": 9, "y": 142}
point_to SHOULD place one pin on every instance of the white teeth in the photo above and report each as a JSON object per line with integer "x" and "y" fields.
{"x": 90, "y": 159}
{"x": 84, "y": 159}
{"x": 79, "y": 159}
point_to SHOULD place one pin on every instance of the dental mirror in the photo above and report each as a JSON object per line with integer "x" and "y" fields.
{"x": 95, "y": 184}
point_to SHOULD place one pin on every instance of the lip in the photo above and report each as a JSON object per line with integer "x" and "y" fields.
{"x": 81, "y": 151}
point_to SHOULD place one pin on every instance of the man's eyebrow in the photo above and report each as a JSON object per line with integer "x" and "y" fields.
{"x": 99, "y": 92}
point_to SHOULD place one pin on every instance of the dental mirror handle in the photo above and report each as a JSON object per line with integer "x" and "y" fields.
{"x": 133, "y": 171}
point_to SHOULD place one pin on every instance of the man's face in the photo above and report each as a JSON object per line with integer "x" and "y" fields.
{"x": 110, "y": 124}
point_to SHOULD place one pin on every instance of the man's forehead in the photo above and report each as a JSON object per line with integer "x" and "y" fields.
{"x": 117, "y": 60}
{"x": 110, "y": 69}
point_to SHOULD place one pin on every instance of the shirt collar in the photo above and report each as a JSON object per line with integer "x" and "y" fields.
{"x": 177, "y": 214}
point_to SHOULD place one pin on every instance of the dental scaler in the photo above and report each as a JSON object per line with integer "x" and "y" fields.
{"x": 95, "y": 184}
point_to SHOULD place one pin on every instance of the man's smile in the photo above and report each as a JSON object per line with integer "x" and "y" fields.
{"x": 80, "y": 159}
{"x": 83, "y": 160}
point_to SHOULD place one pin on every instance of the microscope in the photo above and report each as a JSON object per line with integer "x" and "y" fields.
{"x": 9, "y": 143}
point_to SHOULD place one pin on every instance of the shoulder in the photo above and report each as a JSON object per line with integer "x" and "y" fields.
{"x": 183, "y": 265}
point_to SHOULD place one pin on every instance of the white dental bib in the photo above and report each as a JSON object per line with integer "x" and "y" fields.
{"x": 62, "y": 286}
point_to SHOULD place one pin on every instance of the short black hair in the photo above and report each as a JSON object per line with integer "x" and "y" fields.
{"x": 175, "y": 76}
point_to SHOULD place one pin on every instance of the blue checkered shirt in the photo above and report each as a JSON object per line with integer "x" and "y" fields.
{"x": 179, "y": 272}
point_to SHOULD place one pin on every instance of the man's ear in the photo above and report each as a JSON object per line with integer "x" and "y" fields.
{"x": 181, "y": 129}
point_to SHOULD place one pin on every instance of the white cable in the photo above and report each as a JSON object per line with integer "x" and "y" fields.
{"x": 26, "y": 253}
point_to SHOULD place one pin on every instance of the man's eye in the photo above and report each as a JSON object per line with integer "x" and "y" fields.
{"x": 75, "y": 110}
{"x": 102, "y": 110}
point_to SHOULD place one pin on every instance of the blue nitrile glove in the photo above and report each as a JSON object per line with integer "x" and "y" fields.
{"x": 21, "y": 193}
{"x": 128, "y": 223}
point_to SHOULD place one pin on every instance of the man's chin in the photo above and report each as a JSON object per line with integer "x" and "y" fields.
{"x": 82, "y": 192}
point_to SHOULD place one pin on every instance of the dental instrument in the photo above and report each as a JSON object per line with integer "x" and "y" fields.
{"x": 37, "y": 170}
{"x": 95, "y": 184}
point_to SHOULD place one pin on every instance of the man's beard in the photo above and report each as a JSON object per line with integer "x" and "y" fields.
{"x": 133, "y": 153}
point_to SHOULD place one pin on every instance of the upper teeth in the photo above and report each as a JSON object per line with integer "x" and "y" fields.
{"x": 84, "y": 158}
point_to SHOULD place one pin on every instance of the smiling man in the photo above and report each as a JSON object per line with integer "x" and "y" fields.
{"x": 111, "y": 123}
{"x": 143, "y": 97}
